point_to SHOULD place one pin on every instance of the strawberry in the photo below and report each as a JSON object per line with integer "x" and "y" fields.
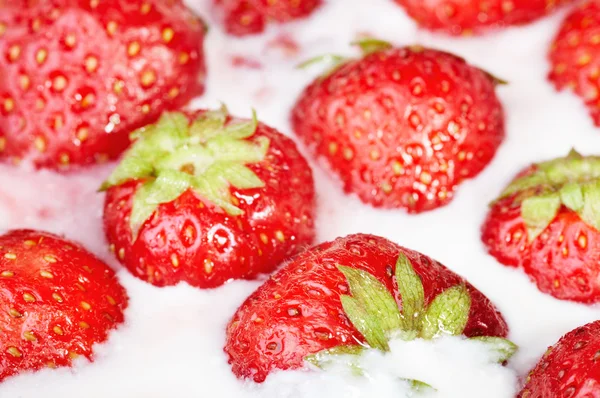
{"x": 244, "y": 17}
{"x": 76, "y": 76}
{"x": 467, "y": 17}
{"x": 402, "y": 127}
{"x": 548, "y": 221}
{"x": 56, "y": 301}
{"x": 346, "y": 293}
{"x": 574, "y": 56}
{"x": 570, "y": 368}
{"x": 202, "y": 198}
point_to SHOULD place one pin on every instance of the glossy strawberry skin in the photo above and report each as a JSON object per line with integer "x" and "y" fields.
{"x": 298, "y": 312}
{"x": 402, "y": 127}
{"x": 77, "y": 76}
{"x": 574, "y": 59}
{"x": 191, "y": 240}
{"x": 460, "y": 17}
{"x": 56, "y": 301}
{"x": 570, "y": 368}
{"x": 245, "y": 17}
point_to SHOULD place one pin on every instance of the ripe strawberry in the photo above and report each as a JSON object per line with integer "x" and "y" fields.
{"x": 548, "y": 221}
{"x": 305, "y": 308}
{"x": 244, "y": 17}
{"x": 402, "y": 127}
{"x": 56, "y": 301}
{"x": 574, "y": 56}
{"x": 570, "y": 368}
{"x": 466, "y": 17}
{"x": 202, "y": 199}
{"x": 76, "y": 76}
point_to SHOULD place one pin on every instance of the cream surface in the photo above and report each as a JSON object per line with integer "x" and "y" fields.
{"x": 171, "y": 344}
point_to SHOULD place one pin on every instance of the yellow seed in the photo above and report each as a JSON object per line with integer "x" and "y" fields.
{"x": 111, "y": 300}
{"x": 111, "y": 247}
{"x": 174, "y": 260}
{"x": 82, "y": 133}
{"x": 50, "y": 258}
{"x": 10, "y": 256}
{"x": 28, "y": 298}
{"x": 14, "y": 351}
{"x": 9, "y": 105}
{"x": 88, "y": 100}
{"x": 148, "y": 78}
{"x": 14, "y": 313}
{"x": 41, "y": 55}
{"x": 70, "y": 40}
{"x": 29, "y": 243}
{"x": 167, "y": 34}
{"x": 2, "y": 143}
{"x": 173, "y": 92}
{"x": 145, "y": 108}
{"x": 7, "y": 274}
{"x": 374, "y": 154}
{"x": 111, "y": 27}
{"x": 85, "y": 305}
{"x": 57, "y": 297}
{"x": 73, "y": 355}
{"x": 84, "y": 325}
{"x": 14, "y": 52}
{"x": 46, "y": 274}
{"x": 58, "y": 330}
{"x": 2, "y": 29}
{"x": 24, "y": 82}
{"x": 121, "y": 253}
{"x": 40, "y": 143}
{"x": 36, "y": 24}
{"x": 584, "y": 59}
{"x": 425, "y": 177}
{"x": 91, "y": 64}
{"x": 118, "y": 86}
{"x": 397, "y": 168}
{"x": 145, "y": 8}
{"x": 184, "y": 58}
{"x": 333, "y": 148}
{"x": 348, "y": 153}
{"x": 29, "y": 336}
{"x": 59, "y": 83}
{"x": 208, "y": 266}
{"x": 133, "y": 49}
{"x": 264, "y": 238}
{"x": 582, "y": 241}
{"x": 64, "y": 158}
{"x": 280, "y": 236}
{"x": 386, "y": 187}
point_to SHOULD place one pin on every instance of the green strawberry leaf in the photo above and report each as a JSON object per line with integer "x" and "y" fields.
{"x": 371, "y": 45}
{"x": 503, "y": 349}
{"x": 571, "y": 196}
{"x": 447, "y": 313}
{"x": 207, "y": 155}
{"x": 326, "y": 358}
{"x": 419, "y": 386}
{"x": 371, "y": 309}
{"x": 411, "y": 291}
{"x": 167, "y": 187}
{"x": 590, "y": 212}
{"x": 538, "y": 212}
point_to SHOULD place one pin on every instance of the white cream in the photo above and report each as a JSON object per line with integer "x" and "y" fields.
{"x": 171, "y": 345}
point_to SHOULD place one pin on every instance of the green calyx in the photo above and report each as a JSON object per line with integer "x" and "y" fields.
{"x": 572, "y": 181}
{"x": 334, "y": 61}
{"x": 207, "y": 156}
{"x": 373, "y": 311}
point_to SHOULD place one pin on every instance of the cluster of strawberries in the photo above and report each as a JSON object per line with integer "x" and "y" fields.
{"x": 204, "y": 197}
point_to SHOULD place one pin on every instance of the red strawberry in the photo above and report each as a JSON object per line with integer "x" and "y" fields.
{"x": 402, "y": 127}
{"x": 548, "y": 221}
{"x": 465, "y": 17}
{"x": 574, "y": 56}
{"x": 56, "y": 301}
{"x": 570, "y": 368}
{"x": 202, "y": 199}
{"x": 305, "y": 308}
{"x": 76, "y": 76}
{"x": 244, "y": 17}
